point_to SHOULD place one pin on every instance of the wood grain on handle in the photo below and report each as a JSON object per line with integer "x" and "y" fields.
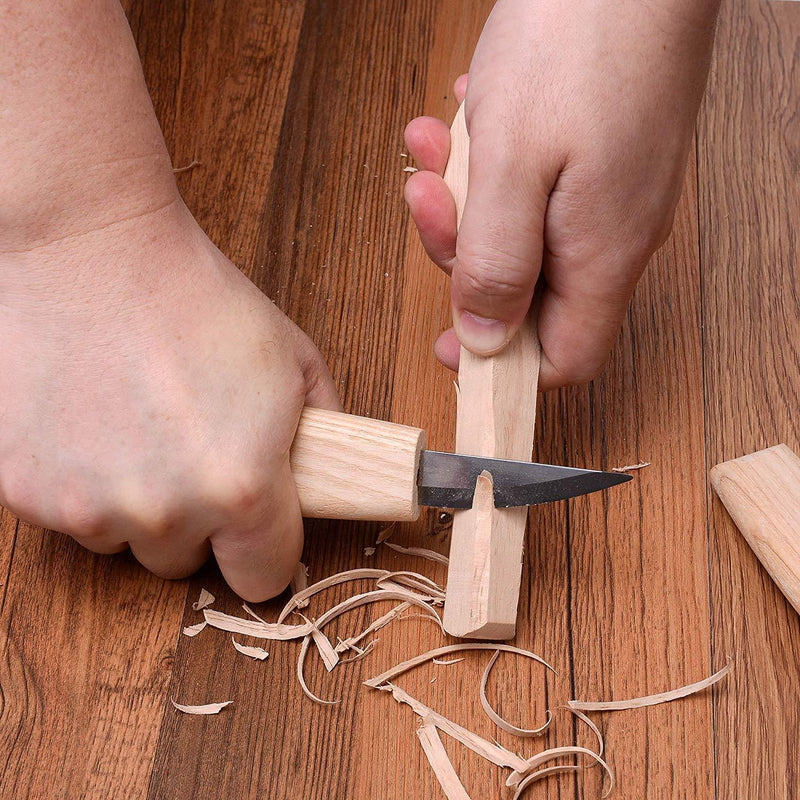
{"x": 348, "y": 467}
{"x": 762, "y": 494}
{"x": 496, "y": 415}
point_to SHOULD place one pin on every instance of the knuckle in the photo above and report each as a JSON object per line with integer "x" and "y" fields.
{"x": 493, "y": 276}
{"x": 239, "y": 490}
{"x": 78, "y": 517}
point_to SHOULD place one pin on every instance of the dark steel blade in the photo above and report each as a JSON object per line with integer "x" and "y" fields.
{"x": 447, "y": 480}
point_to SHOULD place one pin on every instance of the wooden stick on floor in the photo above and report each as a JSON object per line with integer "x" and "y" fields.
{"x": 762, "y": 494}
{"x": 496, "y": 415}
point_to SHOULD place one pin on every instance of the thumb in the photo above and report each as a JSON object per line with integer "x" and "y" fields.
{"x": 499, "y": 244}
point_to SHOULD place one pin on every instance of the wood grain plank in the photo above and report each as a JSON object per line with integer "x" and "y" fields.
{"x": 213, "y": 70}
{"x": 640, "y": 609}
{"x": 749, "y": 158}
{"x": 86, "y": 647}
{"x": 296, "y": 111}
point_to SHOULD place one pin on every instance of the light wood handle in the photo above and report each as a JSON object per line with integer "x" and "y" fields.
{"x": 762, "y": 494}
{"x": 496, "y": 414}
{"x": 348, "y": 467}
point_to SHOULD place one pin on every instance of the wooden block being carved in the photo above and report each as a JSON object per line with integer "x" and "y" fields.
{"x": 762, "y": 494}
{"x": 496, "y": 415}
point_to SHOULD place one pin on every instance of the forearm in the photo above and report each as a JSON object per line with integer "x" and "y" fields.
{"x": 80, "y": 142}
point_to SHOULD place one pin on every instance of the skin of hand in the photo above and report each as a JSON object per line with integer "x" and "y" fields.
{"x": 150, "y": 391}
{"x": 581, "y": 120}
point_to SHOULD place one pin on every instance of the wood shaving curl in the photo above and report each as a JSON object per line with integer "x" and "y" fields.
{"x": 440, "y": 762}
{"x": 260, "y": 630}
{"x": 405, "y": 666}
{"x": 652, "y": 699}
{"x": 351, "y": 603}
{"x": 491, "y": 751}
{"x": 422, "y": 552}
{"x": 256, "y": 653}
{"x": 326, "y": 583}
{"x": 204, "y": 710}
{"x": 497, "y": 719}
{"x": 193, "y": 630}
{"x": 631, "y": 467}
{"x": 518, "y": 776}
{"x": 351, "y": 642}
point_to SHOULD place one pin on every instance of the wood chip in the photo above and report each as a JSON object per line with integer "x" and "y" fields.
{"x": 204, "y": 601}
{"x": 193, "y": 630}
{"x": 369, "y": 552}
{"x": 631, "y": 467}
{"x": 208, "y": 708}
{"x": 257, "y": 653}
{"x": 652, "y": 699}
{"x": 497, "y": 719}
{"x": 259, "y": 630}
{"x": 410, "y": 169}
{"x": 422, "y": 552}
{"x": 405, "y": 666}
{"x": 440, "y": 762}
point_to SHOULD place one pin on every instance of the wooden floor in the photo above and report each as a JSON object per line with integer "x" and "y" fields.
{"x": 295, "y": 110}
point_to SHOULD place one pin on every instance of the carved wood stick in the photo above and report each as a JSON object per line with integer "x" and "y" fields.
{"x": 496, "y": 416}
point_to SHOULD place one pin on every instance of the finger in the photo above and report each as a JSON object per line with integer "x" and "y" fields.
{"x": 460, "y": 87}
{"x": 499, "y": 247}
{"x": 580, "y": 317}
{"x": 170, "y": 554}
{"x": 167, "y": 543}
{"x": 448, "y": 349}
{"x": 434, "y": 213}
{"x": 257, "y": 554}
{"x": 428, "y": 142}
{"x": 63, "y": 509}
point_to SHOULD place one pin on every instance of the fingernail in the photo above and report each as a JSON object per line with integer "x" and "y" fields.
{"x": 481, "y": 335}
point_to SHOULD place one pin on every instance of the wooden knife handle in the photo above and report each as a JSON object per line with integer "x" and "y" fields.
{"x": 348, "y": 467}
{"x": 762, "y": 494}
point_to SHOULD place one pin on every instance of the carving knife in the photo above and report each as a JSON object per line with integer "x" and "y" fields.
{"x": 349, "y": 467}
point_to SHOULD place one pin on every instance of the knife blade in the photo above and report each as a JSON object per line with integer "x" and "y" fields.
{"x": 349, "y": 467}
{"x": 447, "y": 480}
